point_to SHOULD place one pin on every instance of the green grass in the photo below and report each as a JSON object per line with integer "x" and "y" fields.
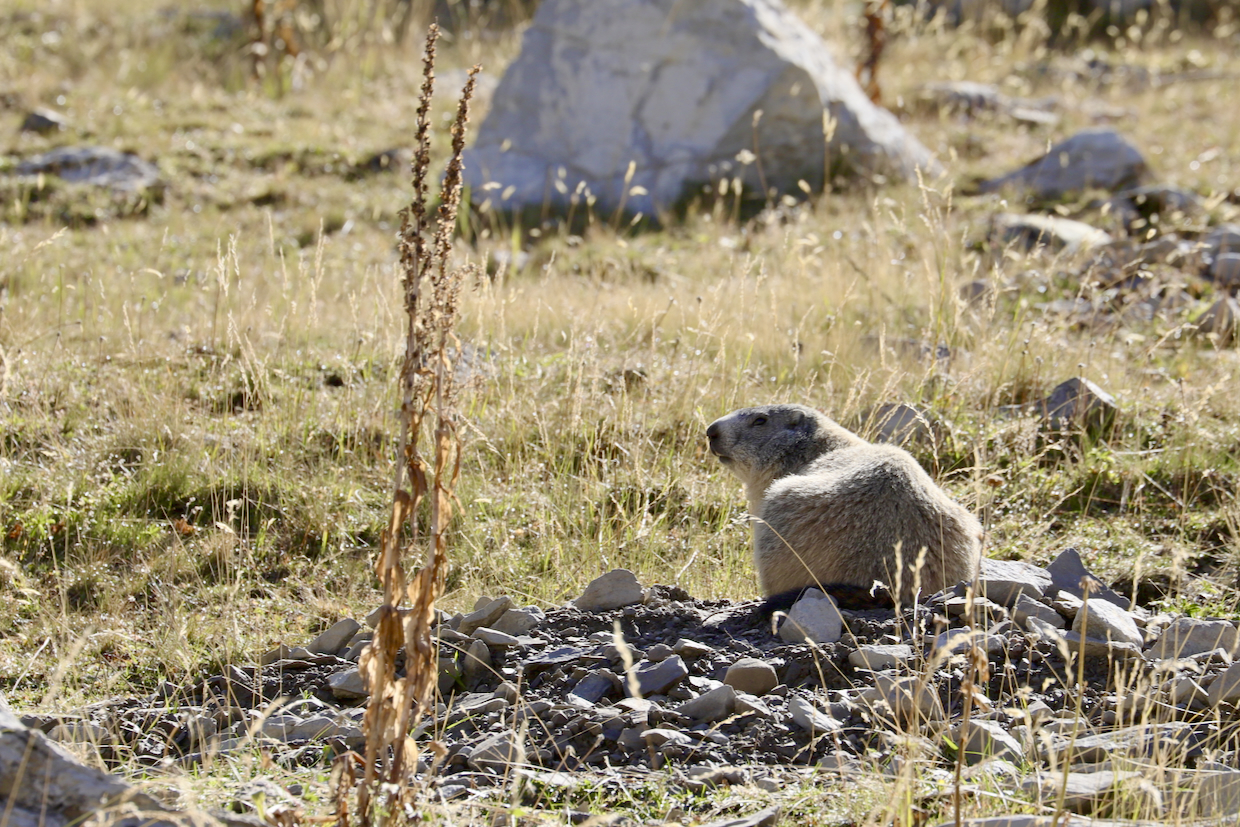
{"x": 196, "y": 407}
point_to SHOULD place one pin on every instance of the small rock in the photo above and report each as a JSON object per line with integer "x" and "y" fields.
{"x": 711, "y": 706}
{"x": 1034, "y": 231}
{"x": 1092, "y": 159}
{"x": 44, "y": 120}
{"x": 815, "y": 617}
{"x": 519, "y": 621}
{"x": 1104, "y": 620}
{"x": 658, "y": 652}
{"x": 757, "y": 677}
{"x": 1026, "y": 607}
{"x": 476, "y": 662}
{"x": 95, "y": 166}
{"x": 500, "y": 754}
{"x": 348, "y": 685}
{"x": 1211, "y": 795}
{"x": 1223, "y": 239}
{"x": 1003, "y": 581}
{"x": 664, "y": 737}
{"x": 1079, "y": 403}
{"x": 281, "y": 652}
{"x": 810, "y": 718}
{"x": 597, "y": 685}
{"x": 484, "y": 616}
{"x": 336, "y": 638}
{"x": 981, "y": 740}
{"x": 657, "y": 678}
{"x": 1220, "y": 319}
{"x": 1188, "y": 636}
{"x": 1225, "y": 271}
{"x": 1068, "y": 604}
{"x": 495, "y": 638}
{"x": 907, "y": 700}
{"x": 1088, "y": 793}
{"x": 768, "y": 817}
{"x": 1226, "y": 687}
{"x": 877, "y": 657}
{"x": 1068, "y": 573}
{"x": 747, "y": 704}
{"x": 613, "y": 590}
{"x": 899, "y": 424}
{"x": 691, "y": 650}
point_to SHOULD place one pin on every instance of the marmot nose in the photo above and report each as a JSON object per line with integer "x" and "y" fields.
{"x": 712, "y": 431}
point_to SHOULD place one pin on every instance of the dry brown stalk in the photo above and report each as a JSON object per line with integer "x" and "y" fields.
{"x": 429, "y": 394}
{"x": 876, "y": 40}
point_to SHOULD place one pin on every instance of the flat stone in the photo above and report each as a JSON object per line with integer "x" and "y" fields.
{"x": 666, "y": 737}
{"x": 1223, "y": 239}
{"x": 519, "y": 621}
{"x": 1068, "y": 573}
{"x": 815, "y": 617}
{"x": 1027, "y": 607}
{"x": 1220, "y": 319}
{"x": 752, "y": 675}
{"x": 1087, "y": 793}
{"x": 613, "y": 590}
{"x": 95, "y": 166}
{"x": 1132, "y": 743}
{"x": 1226, "y": 687}
{"x": 1104, "y": 620}
{"x": 907, "y": 700}
{"x": 691, "y": 650}
{"x": 476, "y": 662}
{"x": 1210, "y": 794}
{"x": 622, "y": 103}
{"x": 981, "y": 740}
{"x": 495, "y": 638}
{"x": 1091, "y": 159}
{"x": 348, "y": 685}
{"x": 810, "y": 718}
{"x": 657, "y": 678}
{"x": 1068, "y": 604}
{"x": 598, "y": 684}
{"x": 711, "y": 706}
{"x": 1078, "y": 404}
{"x": 1031, "y": 231}
{"x": 1188, "y": 636}
{"x": 899, "y": 424}
{"x": 1225, "y": 271}
{"x": 766, "y": 817}
{"x": 1003, "y": 581}
{"x": 484, "y": 616}
{"x": 336, "y": 638}
{"x": 747, "y": 704}
{"x": 501, "y": 754}
{"x": 877, "y": 657}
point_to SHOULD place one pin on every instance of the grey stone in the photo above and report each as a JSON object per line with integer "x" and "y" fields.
{"x": 1068, "y": 573}
{"x": 981, "y": 740}
{"x": 336, "y": 638}
{"x": 1068, "y": 604}
{"x": 43, "y": 121}
{"x": 95, "y": 166}
{"x": 1051, "y": 231}
{"x": 476, "y": 662}
{"x": 1186, "y": 691}
{"x": 711, "y": 706}
{"x": 907, "y": 700}
{"x": 597, "y": 685}
{"x": 613, "y": 590}
{"x": 635, "y": 105}
{"x": 281, "y": 652}
{"x": 519, "y": 621}
{"x": 900, "y": 424}
{"x": 484, "y": 615}
{"x": 1223, "y": 239}
{"x": 657, "y": 678}
{"x": 658, "y": 652}
{"x": 747, "y": 704}
{"x": 877, "y": 657}
{"x": 1188, "y": 636}
{"x": 815, "y": 617}
{"x": 767, "y": 817}
{"x": 315, "y": 728}
{"x": 1091, "y": 159}
{"x": 348, "y": 685}
{"x": 810, "y": 718}
{"x": 1128, "y": 743}
{"x": 1078, "y": 403}
{"x": 1163, "y": 200}
{"x": 1225, "y": 689}
{"x": 1088, "y": 793}
{"x": 691, "y": 649}
{"x": 1027, "y": 607}
{"x": 666, "y": 737}
{"x": 1211, "y": 795}
{"x": 501, "y": 754}
{"x": 1003, "y": 581}
{"x": 1219, "y": 319}
{"x": 1104, "y": 620}
{"x": 752, "y": 675}
{"x": 495, "y": 638}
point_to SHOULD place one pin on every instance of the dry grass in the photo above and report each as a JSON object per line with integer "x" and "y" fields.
{"x": 196, "y": 409}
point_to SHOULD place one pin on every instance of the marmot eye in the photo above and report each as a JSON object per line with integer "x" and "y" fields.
{"x": 758, "y": 420}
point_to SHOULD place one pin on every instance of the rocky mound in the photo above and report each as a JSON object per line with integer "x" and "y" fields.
{"x": 1045, "y": 670}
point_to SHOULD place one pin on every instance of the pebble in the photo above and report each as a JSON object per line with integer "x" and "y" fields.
{"x": 752, "y": 675}
{"x": 1103, "y": 620}
{"x": 877, "y": 657}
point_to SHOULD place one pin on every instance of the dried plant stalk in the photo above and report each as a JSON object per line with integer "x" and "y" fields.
{"x": 429, "y": 395}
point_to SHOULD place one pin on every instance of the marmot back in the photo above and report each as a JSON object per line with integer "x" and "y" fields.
{"x": 833, "y": 509}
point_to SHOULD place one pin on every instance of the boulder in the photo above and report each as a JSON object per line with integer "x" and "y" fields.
{"x": 815, "y": 617}
{"x": 633, "y": 106}
{"x": 1079, "y": 403}
{"x": 616, "y": 588}
{"x": 1093, "y": 159}
{"x": 95, "y": 166}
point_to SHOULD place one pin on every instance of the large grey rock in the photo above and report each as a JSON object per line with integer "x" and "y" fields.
{"x": 1225, "y": 271}
{"x": 657, "y": 678}
{"x": 636, "y": 103}
{"x": 1033, "y": 231}
{"x": 1079, "y": 404}
{"x": 1086, "y": 792}
{"x": 1068, "y": 574}
{"x": 711, "y": 706}
{"x": 1104, "y": 620}
{"x": 900, "y": 424}
{"x": 1220, "y": 319}
{"x": 876, "y": 657}
{"x": 612, "y": 590}
{"x": 1188, "y": 636}
{"x": 1225, "y": 238}
{"x": 815, "y": 617}
{"x": 1226, "y": 687}
{"x": 757, "y": 677}
{"x": 335, "y": 638}
{"x": 810, "y": 718}
{"x": 1092, "y": 159}
{"x": 500, "y": 754}
{"x": 96, "y": 166}
{"x": 1005, "y": 580}
{"x": 485, "y": 613}
{"x": 981, "y": 740}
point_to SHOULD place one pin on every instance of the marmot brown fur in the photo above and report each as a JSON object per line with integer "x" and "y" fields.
{"x": 833, "y": 509}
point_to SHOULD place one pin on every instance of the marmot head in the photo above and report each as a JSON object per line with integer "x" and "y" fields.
{"x": 761, "y": 444}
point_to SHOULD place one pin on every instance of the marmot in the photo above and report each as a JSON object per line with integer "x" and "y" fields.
{"x": 832, "y": 509}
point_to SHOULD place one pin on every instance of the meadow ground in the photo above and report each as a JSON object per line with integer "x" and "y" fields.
{"x": 197, "y": 389}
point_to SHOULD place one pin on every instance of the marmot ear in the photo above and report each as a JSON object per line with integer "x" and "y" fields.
{"x": 798, "y": 421}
